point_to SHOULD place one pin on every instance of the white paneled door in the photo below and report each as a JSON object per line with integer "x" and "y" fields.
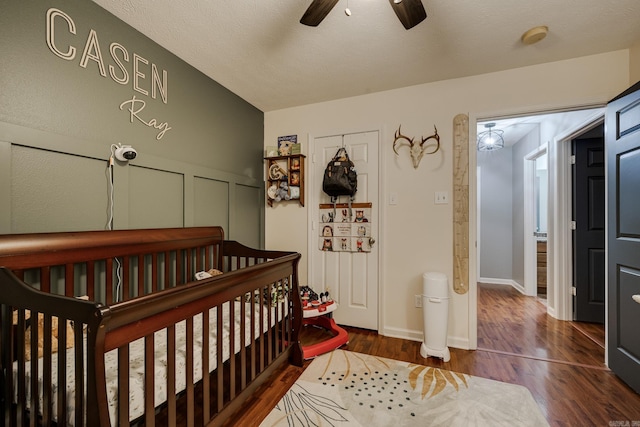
{"x": 350, "y": 277}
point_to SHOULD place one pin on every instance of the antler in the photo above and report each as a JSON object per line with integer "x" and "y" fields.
{"x": 434, "y": 136}
{"x": 399, "y": 135}
{"x": 417, "y": 151}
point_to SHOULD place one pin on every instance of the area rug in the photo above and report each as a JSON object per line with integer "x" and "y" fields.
{"x": 347, "y": 388}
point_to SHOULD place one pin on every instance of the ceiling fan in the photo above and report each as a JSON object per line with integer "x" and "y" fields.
{"x": 410, "y": 12}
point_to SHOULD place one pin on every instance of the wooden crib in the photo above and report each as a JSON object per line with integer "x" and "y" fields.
{"x": 105, "y": 328}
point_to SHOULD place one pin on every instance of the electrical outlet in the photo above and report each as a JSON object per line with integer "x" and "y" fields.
{"x": 418, "y": 301}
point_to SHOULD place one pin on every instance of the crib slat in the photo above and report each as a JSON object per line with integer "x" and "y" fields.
{"x": 208, "y": 258}
{"x": 34, "y": 403}
{"x": 269, "y": 322}
{"x": 232, "y": 350}
{"x": 277, "y": 326}
{"x": 199, "y": 252}
{"x": 243, "y": 341}
{"x": 6, "y": 336}
{"x": 206, "y": 382}
{"x": 189, "y": 373}
{"x": 79, "y": 371}
{"x": 20, "y": 409}
{"x": 262, "y": 337}
{"x": 285, "y": 325}
{"x": 46, "y": 372}
{"x": 149, "y": 374}
{"x": 253, "y": 338}
{"x": 123, "y": 385}
{"x": 219, "y": 370}
{"x": 217, "y": 258}
{"x": 45, "y": 279}
{"x": 171, "y": 372}
{"x": 62, "y": 371}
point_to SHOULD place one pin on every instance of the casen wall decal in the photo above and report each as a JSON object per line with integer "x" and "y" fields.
{"x": 144, "y": 77}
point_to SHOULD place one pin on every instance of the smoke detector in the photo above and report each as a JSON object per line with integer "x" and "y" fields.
{"x": 535, "y": 34}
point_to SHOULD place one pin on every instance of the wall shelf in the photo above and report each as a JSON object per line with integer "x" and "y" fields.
{"x": 289, "y": 169}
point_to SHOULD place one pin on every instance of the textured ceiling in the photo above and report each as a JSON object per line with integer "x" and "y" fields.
{"x": 260, "y": 51}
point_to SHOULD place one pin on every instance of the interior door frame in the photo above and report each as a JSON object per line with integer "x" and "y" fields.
{"x": 561, "y": 247}
{"x": 312, "y": 220}
{"x": 530, "y": 259}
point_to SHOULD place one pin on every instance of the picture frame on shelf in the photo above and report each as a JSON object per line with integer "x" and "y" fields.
{"x": 285, "y": 143}
{"x": 295, "y": 178}
{"x": 295, "y": 164}
{"x": 271, "y": 151}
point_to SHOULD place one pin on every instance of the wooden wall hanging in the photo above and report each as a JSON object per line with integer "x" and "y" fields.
{"x": 461, "y": 204}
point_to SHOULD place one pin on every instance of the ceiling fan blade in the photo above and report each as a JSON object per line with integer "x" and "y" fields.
{"x": 317, "y": 11}
{"x": 410, "y": 12}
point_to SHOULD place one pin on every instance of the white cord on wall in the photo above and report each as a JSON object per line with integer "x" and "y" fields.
{"x": 110, "y": 220}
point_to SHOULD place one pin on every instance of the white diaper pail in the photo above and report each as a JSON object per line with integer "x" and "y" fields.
{"x": 435, "y": 311}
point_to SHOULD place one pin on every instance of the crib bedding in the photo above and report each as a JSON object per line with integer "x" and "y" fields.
{"x": 136, "y": 358}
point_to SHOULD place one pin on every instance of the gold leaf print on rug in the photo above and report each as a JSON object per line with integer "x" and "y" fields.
{"x": 434, "y": 380}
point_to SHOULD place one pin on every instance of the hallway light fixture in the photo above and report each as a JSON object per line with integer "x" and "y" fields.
{"x": 490, "y": 139}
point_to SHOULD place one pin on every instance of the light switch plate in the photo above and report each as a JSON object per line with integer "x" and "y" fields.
{"x": 441, "y": 197}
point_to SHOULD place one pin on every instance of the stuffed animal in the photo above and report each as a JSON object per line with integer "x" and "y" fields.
{"x": 283, "y": 192}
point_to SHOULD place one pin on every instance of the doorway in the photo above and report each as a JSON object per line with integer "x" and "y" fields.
{"x": 501, "y": 231}
{"x": 588, "y": 223}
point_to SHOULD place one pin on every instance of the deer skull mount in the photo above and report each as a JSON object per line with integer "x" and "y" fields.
{"x": 416, "y": 149}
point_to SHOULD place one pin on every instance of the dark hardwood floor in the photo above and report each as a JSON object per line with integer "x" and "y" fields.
{"x": 561, "y": 363}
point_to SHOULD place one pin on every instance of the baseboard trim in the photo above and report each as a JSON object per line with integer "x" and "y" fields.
{"x": 413, "y": 335}
{"x": 507, "y": 282}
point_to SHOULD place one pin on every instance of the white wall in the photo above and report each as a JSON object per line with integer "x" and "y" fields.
{"x": 417, "y": 235}
{"x": 496, "y": 218}
{"x": 634, "y": 68}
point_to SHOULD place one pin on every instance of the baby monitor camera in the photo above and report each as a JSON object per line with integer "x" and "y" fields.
{"x": 125, "y": 153}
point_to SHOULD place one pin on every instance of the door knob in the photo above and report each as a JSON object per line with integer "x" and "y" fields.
{"x": 371, "y": 241}
{"x": 636, "y": 298}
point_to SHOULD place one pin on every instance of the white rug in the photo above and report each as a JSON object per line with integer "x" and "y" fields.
{"x": 346, "y": 388}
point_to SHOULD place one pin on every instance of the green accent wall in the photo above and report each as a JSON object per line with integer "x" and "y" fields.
{"x": 68, "y": 79}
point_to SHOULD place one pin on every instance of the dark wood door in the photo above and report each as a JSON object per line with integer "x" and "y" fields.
{"x": 589, "y": 215}
{"x": 623, "y": 230}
